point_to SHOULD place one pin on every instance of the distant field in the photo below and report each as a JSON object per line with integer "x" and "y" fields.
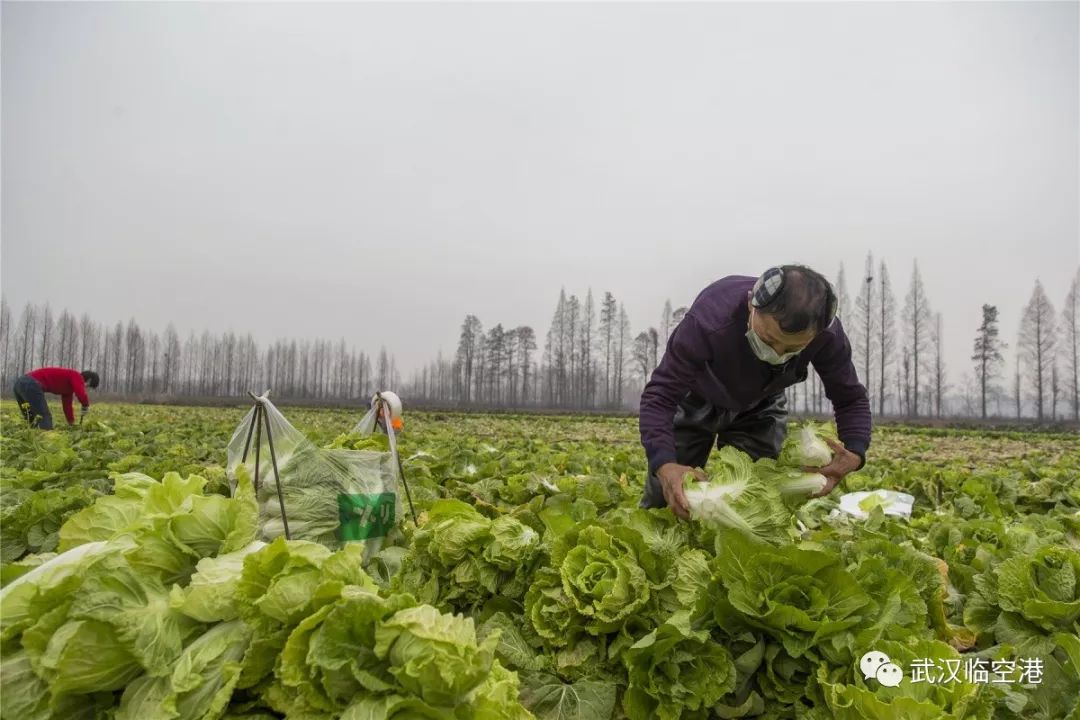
{"x": 941, "y": 439}
{"x": 155, "y": 439}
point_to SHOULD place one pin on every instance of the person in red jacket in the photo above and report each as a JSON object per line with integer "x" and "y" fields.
{"x": 30, "y": 392}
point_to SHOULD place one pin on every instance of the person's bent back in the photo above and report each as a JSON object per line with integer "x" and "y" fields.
{"x": 30, "y": 392}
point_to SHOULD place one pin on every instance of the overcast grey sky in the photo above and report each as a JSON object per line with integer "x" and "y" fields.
{"x": 377, "y": 171}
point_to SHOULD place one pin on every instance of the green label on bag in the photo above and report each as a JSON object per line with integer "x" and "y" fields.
{"x": 366, "y": 516}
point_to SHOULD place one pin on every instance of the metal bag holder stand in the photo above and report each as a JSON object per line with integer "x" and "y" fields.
{"x": 258, "y": 420}
{"x": 382, "y": 409}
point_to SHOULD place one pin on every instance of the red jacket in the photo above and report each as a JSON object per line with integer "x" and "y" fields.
{"x": 65, "y": 383}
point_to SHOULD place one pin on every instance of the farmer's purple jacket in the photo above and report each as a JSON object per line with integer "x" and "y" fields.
{"x": 708, "y": 355}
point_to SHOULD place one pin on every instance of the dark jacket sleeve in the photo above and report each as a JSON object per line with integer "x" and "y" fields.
{"x": 686, "y": 355}
{"x": 851, "y": 405}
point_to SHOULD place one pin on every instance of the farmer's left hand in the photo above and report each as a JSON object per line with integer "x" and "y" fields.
{"x": 844, "y": 461}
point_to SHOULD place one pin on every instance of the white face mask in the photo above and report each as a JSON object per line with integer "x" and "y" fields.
{"x": 763, "y": 351}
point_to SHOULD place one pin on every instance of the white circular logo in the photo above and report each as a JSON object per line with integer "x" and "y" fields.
{"x": 870, "y": 663}
{"x": 889, "y": 675}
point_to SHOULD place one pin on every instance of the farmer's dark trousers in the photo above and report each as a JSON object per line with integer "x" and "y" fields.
{"x": 759, "y": 432}
{"x": 29, "y": 393}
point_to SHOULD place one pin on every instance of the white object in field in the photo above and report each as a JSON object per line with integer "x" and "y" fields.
{"x": 391, "y": 402}
{"x": 391, "y": 399}
{"x": 897, "y": 504}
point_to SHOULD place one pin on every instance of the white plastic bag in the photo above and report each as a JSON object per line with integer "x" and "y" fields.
{"x": 367, "y": 424}
{"x": 893, "y": 503}
{"x": 330, "y": 496}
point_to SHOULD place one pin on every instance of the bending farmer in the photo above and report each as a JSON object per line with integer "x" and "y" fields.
{"x": 30, "y": 392}
{"x": 722, "y": 379}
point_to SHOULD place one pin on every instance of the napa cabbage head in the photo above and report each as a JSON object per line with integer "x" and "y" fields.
{"x": 800, "y": 597}
{"x": 805, "y": 446}
{"x": 676, "y": 671}
{"x": 434, "y": 655}
{"x": 200, "y": 683}
{"x": 1043, "y": 587}
{"x": 550, "y": 611}
{"x": 601, "y": 575}
{"x": 738, "y": 499}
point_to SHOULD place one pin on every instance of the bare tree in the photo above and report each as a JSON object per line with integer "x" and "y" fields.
{"x": 46, "y": 336}
{"x": 466, "y": 353}
{"x": 134, "y": 357}
{"x": 940, "y": 384}
{"x": 5, "y": 340}
{"x": 1071, "y": 337}
{"x": 557, "y": 349}
{"x": 585, "y": 340}
{"x": 917, "y": 322}
{"x": 106, "y": 358}
{"x": 654, "y": 342}
{"x": 171, "y": 360}
{"x": 987, "y": 354}
{"x": 886, "y": 329}
{"x": 643, "y": 354}
{"x": 119, "y": 364}
{"x": 229, "y": 345}
{"x": 666, "y": 325}
{"x": 1055, "y": 389}
{"x": 71, "y": 345}
{"x": 187, "y": 364}
{"x": 1037, "y": 341}
{"x": 1016, "y": 388}
{"x": 271, "y": 365}
{"x": 153, "y": 348}
{"x": 63, "y": 340}
{"x": 341, "y": 369}
{"x": 480, "y": 368}
{"x": 382, "y": 371}
{"x": 906, "y": 365}
{"x": 496, "y": 349}
{"x": 573, "y": 310}
{"x": 970, "y": 396}
{"x": 621, "y": 351}
{"x": 608, "y": 318}
{"x": 677, "y": 316}
{"x": 365, "y": 374}
{"x": 843, "y": 302}
{"x": 526, "y": 347}
{"x": 511, "y": 372}
{"x": 27, "y": 332}
{"x": 864, "y": 327}
{"x": 88, "y": 333}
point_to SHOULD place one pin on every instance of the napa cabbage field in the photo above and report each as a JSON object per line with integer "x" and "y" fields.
{"x": 137, "y": 582}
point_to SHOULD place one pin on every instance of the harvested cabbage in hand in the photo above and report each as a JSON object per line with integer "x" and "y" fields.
{"x": 804, "y": 447}
{"x": 738, "y": 499}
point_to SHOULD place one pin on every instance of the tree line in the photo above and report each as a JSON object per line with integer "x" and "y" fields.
{"x": 591, "y": 358}
{"x": 132, "y": 360}
{"x": 905, "y": 371}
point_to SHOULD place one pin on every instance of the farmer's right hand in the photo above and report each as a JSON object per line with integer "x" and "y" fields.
{"x": 671, "y": 476}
